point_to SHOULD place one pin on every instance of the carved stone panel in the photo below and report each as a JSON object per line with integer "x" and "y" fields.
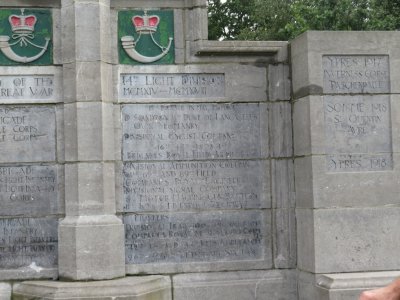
{"x": 28, "y": 242}
{"x": 165, "y": 86}
{"x": 197, "y": 237}
{"x": 358, "y": 134}
{"x": 354, "y": 74}
{"x": 27, "y": 133}
{"x": 28, "y": 190}
{"x": 199, "y": 185}
{"x": 28, "y": 87}
{"x": 194, "y": 131}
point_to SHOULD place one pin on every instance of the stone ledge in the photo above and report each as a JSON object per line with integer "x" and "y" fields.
{"x": 140, "y": 4}
{"x": 238, "y": 48}
{"x": 356, "y": 280}
{"x": 272, "y": 285}
{"x": 29, "y": 273}
{"x": 135, "y": 288}
{"x": 37, "y": 3}
{"x": 346, "y": 286}
{"x": 5, "y": 291}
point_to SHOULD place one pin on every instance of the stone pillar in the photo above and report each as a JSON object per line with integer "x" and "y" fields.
{"x": 346, "y": 146}
{"x": 91, "y": 241}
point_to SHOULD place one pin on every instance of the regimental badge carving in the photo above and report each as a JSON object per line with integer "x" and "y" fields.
{"x": 22, "y": 44}
{"x": 150, "y": 39}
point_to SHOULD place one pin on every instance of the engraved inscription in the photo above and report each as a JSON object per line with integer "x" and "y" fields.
{"x": 358, "y": 134}
{"x": 28, "y": 242}
{"x": 200, "y": 237}
{"x": 27, "y": 133}
{"x": 139, "y": 86}
{"x": 28, "y": 190}
{"x": 353, "y": 74}
{"x": 195, "y": 185}
{"x": 192, "y": 131}
{"x": 37, "y": 87}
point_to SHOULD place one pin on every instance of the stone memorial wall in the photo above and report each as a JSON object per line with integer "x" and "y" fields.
{"x": 357, "y": 127}
{"x": 195, "y": 163}
{"x": 346, "y": 149}
{"x": 31, "y": 176}
{"x": 195, "y": 170}
{"x": 199, "y": 177}
{"x": 139, "y": 159}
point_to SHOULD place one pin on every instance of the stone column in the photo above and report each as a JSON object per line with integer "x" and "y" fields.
{"x": 91, "y": 241}
{"x": 346, "y": 145}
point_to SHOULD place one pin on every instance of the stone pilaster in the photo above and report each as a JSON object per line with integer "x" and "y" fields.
{"x": 346, "y": 149}
{"x": 90, "y": 236}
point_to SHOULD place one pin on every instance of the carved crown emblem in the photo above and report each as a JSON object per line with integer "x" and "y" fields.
{"x": 22, "y": 23}
{"x": 145, "y": 24}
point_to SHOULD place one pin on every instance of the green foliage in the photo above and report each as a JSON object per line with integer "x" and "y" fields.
{"x": 228, "y": 19}
{"x": 385, "y": 15}
{"x": 285, "y": 19}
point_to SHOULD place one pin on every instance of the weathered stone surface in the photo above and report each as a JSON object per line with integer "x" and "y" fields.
{"x": 280, "y": 119}
{"x": 238, "y": 52}
{"x": 204, "y": 185}
{"x": 90, "y": 188}
{"x": 306, "y": 286}
{"x": 355, "y": 132}
{"x": 170, "y": 241}
{"x": 242, "y": 83}
{"x": 5, "y": 291}
{"x": 164, "y": 86}
{"x": 283, "y": 202}
{"x": 285, "y": 239}
{"x": 33, "y": 84}
{"x": 356, "y": 74}
{"x": 271, "y": 285}
{"x": 82, "y": 82}
{"x": 27, "y": 134}
{"x": 179, "y": 36}
{"x": 283, "y": 185}
{"x": 81, "y": 20}
{"x": 89, "y": 130}
{"x": 194, "y": 237}
{"x": 91, "y": 247}
{"x": 57, "y": 38}
{"x": 279, "y": 84}
{"x": 28, "y": 243}
{"x": 302, "y": 129}
{"x": 308, "y": 50}
{"x": 29, "y": 190}
{"x": 129, "y": 288}
{"x": 348, "y": 239}
{"x": 358, "y": 134}
{"x": 344, "y": 189}
{"x": 346, "y": 286}
{"x": 194, "y": 131}
{"x": 60, "y": 138}
{"x": 199, "y": 17}
{"x": 39, "y": 3}
{"x": 27, "y": 87}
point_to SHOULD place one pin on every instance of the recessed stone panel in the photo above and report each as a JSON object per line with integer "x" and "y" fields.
{"x": 28, "y": 190}
{"x": 165, "y": 86}
{"x": 28, "y": 242}
{"x": 196, "y": 237}
{"x": 354, "y": 74}
{"x": 27, "y": 133}
{"x": 193, "y": 131}
{"x": 358, "y": 133}
{"x": 27, "y": 87}
{"x": 195, "y": 185}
